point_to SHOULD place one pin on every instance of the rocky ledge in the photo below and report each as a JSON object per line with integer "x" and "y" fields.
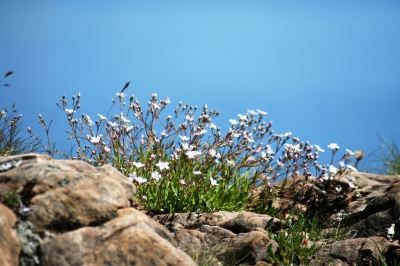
{"x": 70, "y": 213}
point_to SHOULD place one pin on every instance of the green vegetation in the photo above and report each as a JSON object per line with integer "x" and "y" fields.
{"x": 11, "y": 142}
{"x": 389, "y": 155}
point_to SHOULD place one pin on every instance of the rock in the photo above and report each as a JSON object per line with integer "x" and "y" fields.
{"x": 380, "y": 214}
{"x": 66, "y": 195}
{"x": 247, "y": 222}
{"x": 249, "y": 248}
{"x": 233, "y": 221}
{"x": 10, "y": 246}
{"x": 131, "y": 239}
{"x": 359, "y": 251}
{"x": 227, "y": 247}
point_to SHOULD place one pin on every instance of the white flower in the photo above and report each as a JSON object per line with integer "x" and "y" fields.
{"x": 242, "y": 117}
{"x": 164, "y": 133}
{"x": 252, "y": 112}
{"x": 175, "y": 156}
{"x": 140, "y": 180}
{"x": 332, "y": 169}
{"x": 162, "y": 165}
{"x": 120, "y": 95}
{"x": 106, "y": 149}
{"x": 88, "y": 119}
{"x": 213, "y": 182}
{"x": 341, "y": 163}
{"x": 134, "y": 177}
{"x": 250, "y": 140}
{"x": 202, "y": 132}
{"x": 319, "y": 148}
{"x": 182, "y": 182}
{"x": 155, "y": 175}
{"x": 166, "y": 100}
{"x": 189, "y": 118}
{"x": 269, "y": 150}
{"x": 113, "y": 124}
{"x": 261, "y": 112}
{"x": 186, "y": 146}
{"x": 192, "y": 154}
{"x": 235, "y": 135}
{"x": 231, "y": 162}
{"x": 349, "y": 152}
{"x": 233, "y": 121}
{"x": 338, "y": 188}
{"x": 138, "y": 164}
{"x": 155, "y": 106}
{"x": 212, "y": 152}
{"x": 197, "y": 172}
{"x": 69, "y": 111}
{"x": 290, "y": 147}
{"x": 333, "y": 146}
{"x": 352, "y": 168}
{"x": 212, "y": 126}
{"x": 124, "y": 119}
{"x": 95, "y": 140}
{"x": 288, "y": 134}
{"x": 127, "y": 129}
{"x": 184, "y": 138}
{"x": 102, "y": 117}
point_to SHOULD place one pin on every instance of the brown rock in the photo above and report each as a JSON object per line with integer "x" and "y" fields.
{"x": 65, "y": 195}
{"x": 127, "y": 240}
{"x": 249, "y": 248}
{"x": 248, "y": 221}
{"x": 177, "y": 221}
{"x": 10, "y": 246}
{"x": 360, "y": 250}
{"x": 227, "y": 247}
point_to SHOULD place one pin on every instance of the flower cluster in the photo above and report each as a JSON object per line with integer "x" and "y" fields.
{"x": 192, "y": 165}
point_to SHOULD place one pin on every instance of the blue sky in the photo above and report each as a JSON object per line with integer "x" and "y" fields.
{"x": 325, "y": 71}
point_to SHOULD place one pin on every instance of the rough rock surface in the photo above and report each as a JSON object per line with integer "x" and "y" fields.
{"x": 70, "y": 213}
{"x": 131, "y": 239}
{"x": 10, "y": 246}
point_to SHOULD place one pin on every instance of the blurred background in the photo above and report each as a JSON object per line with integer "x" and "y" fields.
{"x": 327, "y": 72}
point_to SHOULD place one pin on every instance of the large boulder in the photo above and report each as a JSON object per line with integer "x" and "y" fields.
{"x": 65, "y": 195}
